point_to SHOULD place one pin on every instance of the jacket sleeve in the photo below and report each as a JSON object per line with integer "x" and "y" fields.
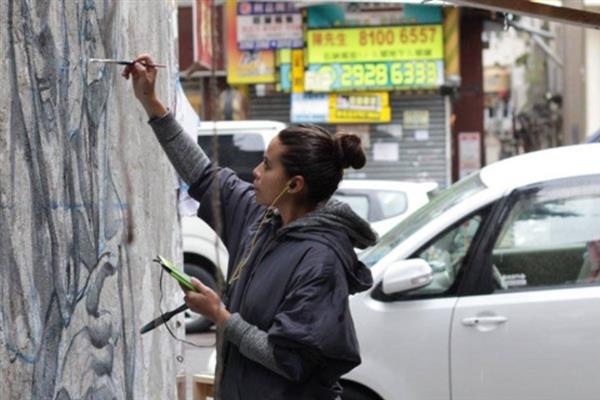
{"x": 313, "y": 329}
{"x": 238, "y": 208}
{"x": 186, "y": 156}
{"x": 238, "y": 205}
{"x": 252, "y": 342}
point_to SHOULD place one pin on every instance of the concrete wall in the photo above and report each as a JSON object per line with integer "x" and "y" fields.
{"x": 592, "y": 71}
{"x": 86, "y": 201}
{"x": 574, "y": 94}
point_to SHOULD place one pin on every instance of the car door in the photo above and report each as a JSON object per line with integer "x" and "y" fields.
{"x": 405, "y": 351}
{"x": 535, "y": 333}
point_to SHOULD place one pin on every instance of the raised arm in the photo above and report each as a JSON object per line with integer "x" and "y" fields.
{"x": 238, "y": 206}
{"x": 186, "y": 156}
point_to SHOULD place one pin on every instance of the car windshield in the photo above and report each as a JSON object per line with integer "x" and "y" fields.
{"x": 436, "y": 207}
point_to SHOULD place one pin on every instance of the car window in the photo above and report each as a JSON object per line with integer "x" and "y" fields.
{"x": 240, "y": 152}
{"x": 358, "y": 203}
{"x": 446, "y": 253}
{"x": 391, "y": 203}
{"x": 445, "y": 200}
{"x": 551, "y": 237}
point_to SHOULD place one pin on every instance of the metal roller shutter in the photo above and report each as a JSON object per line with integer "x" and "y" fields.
{"x": 272, "y": 106}
{"x": 417, "y": 160}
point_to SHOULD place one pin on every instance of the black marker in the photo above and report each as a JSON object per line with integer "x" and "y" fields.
{"x": 162, "y": 319}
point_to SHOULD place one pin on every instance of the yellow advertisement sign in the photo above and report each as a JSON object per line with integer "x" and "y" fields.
{"x": 341, "y": 108}
{"x": 368, "y": 107}
{"x": 297, "y": 71}
{"x": 283, "y": 56}
{"x": 246, "y": 66}
{"x": 375, "y": 44}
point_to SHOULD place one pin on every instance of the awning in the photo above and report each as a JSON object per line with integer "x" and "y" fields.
{"x": 584, "y": 18}
{"x": 537, "y": 9}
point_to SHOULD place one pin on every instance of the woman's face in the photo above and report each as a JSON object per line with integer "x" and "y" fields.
{"x": 270, "y": 178}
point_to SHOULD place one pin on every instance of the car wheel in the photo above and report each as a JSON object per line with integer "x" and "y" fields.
{"x": 194, "y": 322}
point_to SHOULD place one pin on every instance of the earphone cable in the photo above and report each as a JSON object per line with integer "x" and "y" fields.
{"x": 200, "y": 346}
{"x": 240, "y": 267}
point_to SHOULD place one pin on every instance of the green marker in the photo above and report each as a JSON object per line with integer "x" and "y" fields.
{"x": 181, "y": 277}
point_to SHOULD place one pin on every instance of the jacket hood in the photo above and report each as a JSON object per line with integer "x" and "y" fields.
{"x": 336, "y": 225}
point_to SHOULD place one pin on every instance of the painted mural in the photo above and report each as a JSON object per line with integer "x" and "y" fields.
{"x": 78, "y": 164}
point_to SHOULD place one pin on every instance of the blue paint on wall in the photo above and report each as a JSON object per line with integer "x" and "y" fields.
{"x": 77, "y": 225}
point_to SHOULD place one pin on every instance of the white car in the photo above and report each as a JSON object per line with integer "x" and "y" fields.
{"x": 241, "y": 143}
{"x": 384, "y": 203}
{"x": 489, "y": 291}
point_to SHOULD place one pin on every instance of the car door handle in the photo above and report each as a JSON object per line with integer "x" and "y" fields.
{"x": 474, "y": 321}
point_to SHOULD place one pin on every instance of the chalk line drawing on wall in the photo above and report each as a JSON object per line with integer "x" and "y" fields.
{"x": 66, "y": 276}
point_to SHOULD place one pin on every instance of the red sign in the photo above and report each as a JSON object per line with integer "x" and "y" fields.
{"x": 203, "y": 33}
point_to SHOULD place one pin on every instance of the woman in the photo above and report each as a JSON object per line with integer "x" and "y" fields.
{"x": 286, "y": 324}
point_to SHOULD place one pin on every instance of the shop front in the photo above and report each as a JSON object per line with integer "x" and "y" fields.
{"x": 377, "y": 70}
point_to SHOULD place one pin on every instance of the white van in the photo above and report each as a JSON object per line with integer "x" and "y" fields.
{"x": 241, "y": 145}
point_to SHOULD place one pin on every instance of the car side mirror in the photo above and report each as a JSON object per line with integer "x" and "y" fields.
{"x": 406, "y": 275}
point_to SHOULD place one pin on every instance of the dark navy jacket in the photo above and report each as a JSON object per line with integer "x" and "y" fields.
{"x": 295, "y": 287}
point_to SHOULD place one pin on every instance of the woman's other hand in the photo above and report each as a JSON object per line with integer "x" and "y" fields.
{"x": 143, "y": 79}
{"x": 206, "y": 302}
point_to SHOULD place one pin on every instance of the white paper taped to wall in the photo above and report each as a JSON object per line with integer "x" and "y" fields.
{"x": 386, "y": 152}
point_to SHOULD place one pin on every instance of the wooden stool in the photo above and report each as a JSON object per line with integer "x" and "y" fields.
{"x": 202, "y": 386}
{"x": 180, "y": 379}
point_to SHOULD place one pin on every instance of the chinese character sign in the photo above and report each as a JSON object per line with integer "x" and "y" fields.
{"x": 402, "y": 43}
{"x": 374, "y": 58}
{"x": 246, "y": 66}
{"x": 268, "y": 25}
{"x": 360, "y": 107}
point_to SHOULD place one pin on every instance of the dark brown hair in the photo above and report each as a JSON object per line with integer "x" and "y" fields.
{"x": 320, "y": 157}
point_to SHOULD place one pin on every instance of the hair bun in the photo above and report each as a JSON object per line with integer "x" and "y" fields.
{"x": 349, "y": 151}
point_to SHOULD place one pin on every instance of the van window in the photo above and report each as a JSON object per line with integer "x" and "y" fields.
{"x": 240, "y": 152}
{"x": 551, "y": 237}
{"x": 392, "y": 203}
{"x": 357, "y": 202}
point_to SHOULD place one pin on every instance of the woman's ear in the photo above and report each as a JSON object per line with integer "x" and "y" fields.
{"x": 296, "y": 184}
